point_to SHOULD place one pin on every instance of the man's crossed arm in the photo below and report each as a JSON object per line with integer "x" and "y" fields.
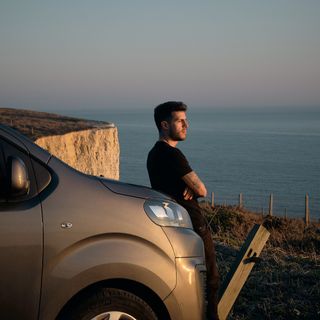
{"x": 195, "y": 187}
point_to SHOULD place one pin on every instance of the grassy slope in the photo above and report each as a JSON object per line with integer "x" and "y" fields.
{"x": 38, "y": 124}
{"x": 286, "y": 284}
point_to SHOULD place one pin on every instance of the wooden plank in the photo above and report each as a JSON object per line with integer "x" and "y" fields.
{"x": 238, "y": 274}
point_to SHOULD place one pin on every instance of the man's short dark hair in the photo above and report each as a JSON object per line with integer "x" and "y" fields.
{"x": 163, "y": 111}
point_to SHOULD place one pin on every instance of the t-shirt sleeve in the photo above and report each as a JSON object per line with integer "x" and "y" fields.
{"x": 179, "y": 163}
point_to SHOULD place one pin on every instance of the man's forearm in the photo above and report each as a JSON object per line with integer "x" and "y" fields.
{"x": 195, "y": 184}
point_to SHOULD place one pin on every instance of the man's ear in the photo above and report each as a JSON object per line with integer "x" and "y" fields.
{"x": 164, "y": 125}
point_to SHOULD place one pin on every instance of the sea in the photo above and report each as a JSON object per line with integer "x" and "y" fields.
{"x": 256, "y": 152}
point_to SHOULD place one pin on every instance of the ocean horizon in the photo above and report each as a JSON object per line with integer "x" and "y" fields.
{"x": 255, "y": 152}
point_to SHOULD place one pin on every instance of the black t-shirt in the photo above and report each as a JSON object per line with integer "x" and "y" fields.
{"x": 166, "y": 167}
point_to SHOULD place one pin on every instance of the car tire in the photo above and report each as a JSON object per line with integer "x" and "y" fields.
{"x": 111, "y": 304}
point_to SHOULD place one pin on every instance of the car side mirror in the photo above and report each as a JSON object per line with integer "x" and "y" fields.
{"x": 19, "y": 184}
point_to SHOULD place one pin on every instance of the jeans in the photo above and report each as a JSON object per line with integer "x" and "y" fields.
{"x": 202, "y": 228}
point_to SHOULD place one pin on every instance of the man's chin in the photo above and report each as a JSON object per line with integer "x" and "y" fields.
{"x": 179, "y": 137}
{"x": 183, "y": 137}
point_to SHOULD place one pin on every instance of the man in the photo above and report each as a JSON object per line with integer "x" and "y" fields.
{"x": 170, "y": 172}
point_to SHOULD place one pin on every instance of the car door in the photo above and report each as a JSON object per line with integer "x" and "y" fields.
{"x": 21, "y": 238}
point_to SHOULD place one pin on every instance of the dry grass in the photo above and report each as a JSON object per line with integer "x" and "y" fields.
{"x": 286, "y": 284}
{"x": 35, "y": 124}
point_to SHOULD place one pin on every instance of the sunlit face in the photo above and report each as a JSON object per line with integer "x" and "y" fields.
{"x": 178, "y": 125}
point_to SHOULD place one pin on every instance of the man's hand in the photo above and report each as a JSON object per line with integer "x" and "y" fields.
{"x": 188, "y": 194}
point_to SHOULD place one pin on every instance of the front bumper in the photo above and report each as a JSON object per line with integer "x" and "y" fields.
{"x": 187, "y": 300}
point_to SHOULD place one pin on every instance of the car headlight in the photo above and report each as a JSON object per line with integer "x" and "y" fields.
{"x": 167, "y": 214}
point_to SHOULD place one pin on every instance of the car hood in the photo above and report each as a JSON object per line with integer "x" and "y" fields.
{"x": 133, "y": 190}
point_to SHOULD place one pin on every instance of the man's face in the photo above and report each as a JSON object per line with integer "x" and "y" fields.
{"x": 178, "y": 125}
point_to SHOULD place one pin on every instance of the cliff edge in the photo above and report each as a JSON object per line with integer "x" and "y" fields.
{"x": 92, "y": 151}
{"x": 91, "y": 147}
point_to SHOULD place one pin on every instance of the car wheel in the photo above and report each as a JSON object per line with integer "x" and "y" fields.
{"x": 111, "y": 304}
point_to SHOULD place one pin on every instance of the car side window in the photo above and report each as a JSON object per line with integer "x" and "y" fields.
{"x": 9, "y": 152}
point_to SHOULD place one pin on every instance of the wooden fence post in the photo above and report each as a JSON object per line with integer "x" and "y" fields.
{"x": 271, "y": 205}
{"x": 240, "y": 201}
{"x": 307, "y": 212}
{"x": 212, "y": 199}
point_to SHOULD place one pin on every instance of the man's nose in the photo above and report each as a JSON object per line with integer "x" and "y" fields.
{"x": 186, "y": 123}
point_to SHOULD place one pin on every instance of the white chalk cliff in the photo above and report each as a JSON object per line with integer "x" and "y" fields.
{"x": 93, "y": 151}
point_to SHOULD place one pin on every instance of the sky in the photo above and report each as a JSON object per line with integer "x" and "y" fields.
{"x": 82, "y": 55}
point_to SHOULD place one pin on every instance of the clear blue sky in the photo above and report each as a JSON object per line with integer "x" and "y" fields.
{"x": 133, "y": 54}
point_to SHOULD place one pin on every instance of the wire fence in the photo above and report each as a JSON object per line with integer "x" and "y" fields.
{"x": 305, "y": 207}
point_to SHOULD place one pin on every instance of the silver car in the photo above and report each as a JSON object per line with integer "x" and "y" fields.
{"x": 75, "y": 246}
